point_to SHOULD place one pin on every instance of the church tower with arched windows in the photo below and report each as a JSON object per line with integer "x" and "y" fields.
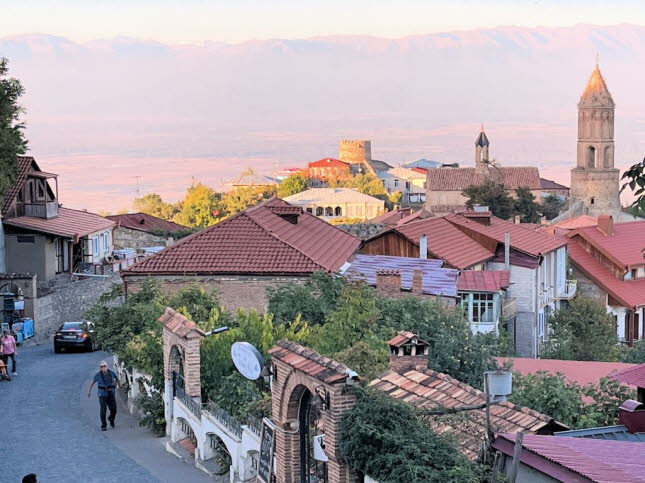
{"x": 594, "y": 180}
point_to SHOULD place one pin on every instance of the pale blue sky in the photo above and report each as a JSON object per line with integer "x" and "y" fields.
{"x": 240, "y": 20}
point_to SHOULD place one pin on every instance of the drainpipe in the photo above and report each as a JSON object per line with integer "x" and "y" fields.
{"x": 507, "y": 251}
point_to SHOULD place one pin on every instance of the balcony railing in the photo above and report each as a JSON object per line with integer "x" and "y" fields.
{"x": 224, "y": 417}
{"x": 38, "y": 210}
{"x": 509, "y": 308}
{"x": 180, "y": 393}
{"x": 568, "y": 291}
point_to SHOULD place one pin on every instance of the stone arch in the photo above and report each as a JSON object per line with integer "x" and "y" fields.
{"x": 220, "y": 452}
{"x": 338, "y": 211}
{"x": 319, "y": 211}
{"x": 176, "y": 360}
{"x": 591, "y": 157}
{"x": 329, "y": 211}
{"x": 607, "y": 157}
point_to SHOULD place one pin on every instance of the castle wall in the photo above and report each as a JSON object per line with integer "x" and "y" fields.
{"x": 598, "y": 189}
{"x": 355, "y": 151}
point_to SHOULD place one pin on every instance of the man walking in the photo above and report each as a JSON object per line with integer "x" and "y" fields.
{"x": 8, "y": 350}
{"x": 107, "y": 381}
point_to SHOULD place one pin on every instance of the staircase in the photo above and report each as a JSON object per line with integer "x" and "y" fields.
{"x": 189, "y": 445}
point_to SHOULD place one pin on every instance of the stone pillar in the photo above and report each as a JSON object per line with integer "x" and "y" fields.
{"x": 192, "y": 367}
{"x": 417, "y": 282}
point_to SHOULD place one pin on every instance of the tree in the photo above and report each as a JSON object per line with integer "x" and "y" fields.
{"x": 201, "y": 207}
{"x": 292, "y": 185}
{"x": 367, "y": 184}
{"x": 12, "y": 139}
{"x": 551, "y": 207}
{"x": 240, "y": 199}
{"x": 152, "y": 204}
{"x": 584, "y": 331}
{"x": 387, "y": 440}
{"x": 490, "y": 194}
{"x": 524, "y": 205}
{"x": 395, "y": 197}
{"x": 634, "y": 354}
{"x": 635, "y": 181}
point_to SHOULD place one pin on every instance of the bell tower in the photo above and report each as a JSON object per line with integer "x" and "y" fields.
{"x": 481, "y": 152}
{"x": 594, "y": 180}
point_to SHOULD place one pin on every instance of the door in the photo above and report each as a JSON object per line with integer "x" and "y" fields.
{"x": 637, "y": 323}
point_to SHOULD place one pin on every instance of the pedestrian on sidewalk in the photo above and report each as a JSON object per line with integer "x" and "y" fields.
{"x": 107, "y": 381}
{"x": 8, "y": 350}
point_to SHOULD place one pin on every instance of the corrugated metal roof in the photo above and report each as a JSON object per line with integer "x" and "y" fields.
{"x": 625, "y": 245}
{"x": 310, "y": 362}
{"x": 599, "y": 460}
{"x": 331, "y": 197}
{"x": 458, "y": 179}
{"x": 145, "y": 222}
{"x": 68, "y": 224}
{"x": 254, "y": 241}
{"x": 631, "y": 375}
{"x": 436, "y": 280}
{"x": 611, "y": 433}
{"x": 429, "y": 389}
{"x": 483, "y": 280}
{"x": 630, "y": 293}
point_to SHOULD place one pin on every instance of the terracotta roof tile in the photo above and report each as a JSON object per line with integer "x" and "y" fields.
{"x": 458, "y": 179}
{"x": 257, "y": 241}
{"x": 310, "y": 362}
{"x": 68, "y": 224}
{"x": 625, "y": 245}
{"x": 23, "y": 166}
{"x": 634, "y": 376}
{"x": 178, "y": 324}
{"x": 483, "y": 280}
{"x": 547, "y": 184}
{"x": 144, "y": 222}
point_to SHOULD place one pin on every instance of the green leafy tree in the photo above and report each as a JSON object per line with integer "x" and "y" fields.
{"x": 368, "y": 360}
{"x": 153, "y": 204}
{"x": 201, "y": 207}
{"x": 551, "y": 207}
{"x": 635, "y": 180}
{"x": 292, "y": 185}
{"x": 634, "y": 354}
{"x": 395, "y": 197}
{"x": 584, "y": 331}
{"x": 387, "y": 440}
{"x": 524, "y": 205}
{"x": 12, "y": 138}
{"x": 490, "y": 194}
{"x": 242, "y": 198}
{"x": 367, "y": 184}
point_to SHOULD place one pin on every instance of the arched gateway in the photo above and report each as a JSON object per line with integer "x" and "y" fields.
{"x": 309, "y": 397}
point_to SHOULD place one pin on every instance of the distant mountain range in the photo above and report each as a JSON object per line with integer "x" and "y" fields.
{"x": 103, "y": 111}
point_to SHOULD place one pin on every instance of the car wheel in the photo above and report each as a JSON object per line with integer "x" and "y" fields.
{"x": 56, "y": 349}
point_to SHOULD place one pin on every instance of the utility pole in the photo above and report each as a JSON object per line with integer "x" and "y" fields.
{"x": 138, "y": 191}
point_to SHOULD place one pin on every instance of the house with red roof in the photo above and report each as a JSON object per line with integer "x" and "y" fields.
{"x": 265, "y": 246}
{"x": 42, "y": 237}
{"x": 474, "y": 241}
{"x": 322, "y": 171}
{"x": 609, "y": 265}
{"x": 140, "y": 230}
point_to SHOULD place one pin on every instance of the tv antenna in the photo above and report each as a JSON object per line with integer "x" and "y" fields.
{"x": 138, "y": 189}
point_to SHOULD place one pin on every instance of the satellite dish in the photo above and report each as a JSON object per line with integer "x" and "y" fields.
{"x": 247, "y": 360}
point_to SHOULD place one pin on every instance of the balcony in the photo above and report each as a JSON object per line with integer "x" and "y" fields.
{"x": 568, "y": 290}
{"x": 38, "y": 210}
{"x": 509, "y": 308}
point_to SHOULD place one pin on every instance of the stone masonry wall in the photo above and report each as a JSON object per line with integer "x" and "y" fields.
{"x": 234, "y": 292}
{"x": 362, "y": 230}
{"x": 128, "y": 238}
{"x": 68, "y": 303}
{"x": 588, "y": 288}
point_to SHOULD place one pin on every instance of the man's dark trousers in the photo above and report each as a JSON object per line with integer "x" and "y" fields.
{"x": 108, "y": 402}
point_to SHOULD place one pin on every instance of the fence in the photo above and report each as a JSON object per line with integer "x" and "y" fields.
{"x": 225, "y": 418}
{"x": 179, "y": 391}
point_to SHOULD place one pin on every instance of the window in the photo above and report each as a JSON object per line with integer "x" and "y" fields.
{"x": 591, "y": 157}
{"x": 396, "y": 183}
{"x": 329, "y": 211}
{"x": 483, "y": 307}
{"x": 338, "y": 211}
{"x": 309, "y": 210}
{"x": 95, "y": 245}
{"x": 319, "y": 211}
{"x": 106, "y": 242}
{"x": 407, "y": 185}
{"x": 26, "y": 239}
{"x": 592, "y": 201}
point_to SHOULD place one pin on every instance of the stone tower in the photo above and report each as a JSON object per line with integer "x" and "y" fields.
{"x": 355, "y": 152}
{"x": 481, "y": 152}
{"x": 594, "y": 180}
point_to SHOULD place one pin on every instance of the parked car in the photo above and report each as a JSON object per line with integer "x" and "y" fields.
{"x": 75, "y": 335}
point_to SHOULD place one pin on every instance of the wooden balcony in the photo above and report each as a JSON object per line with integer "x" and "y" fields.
{"x": 38, "y": 210}
{"x": 509, "y": 308}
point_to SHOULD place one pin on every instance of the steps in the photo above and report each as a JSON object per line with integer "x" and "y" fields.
{"x": 188, "y": 445}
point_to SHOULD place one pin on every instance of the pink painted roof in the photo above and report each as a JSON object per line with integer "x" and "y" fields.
{"x": 634, "y": 376}
{"x": 625, "y": 245}
{"x": 144, "y": 222}
{"x": 630, "y": 293}
{"x": 600, "y": 460}
{"x": 257, "y": 240}
{"x": 581, "y": 372}
{"x": 68, "y": 224}
{"x": 483, "y": 280}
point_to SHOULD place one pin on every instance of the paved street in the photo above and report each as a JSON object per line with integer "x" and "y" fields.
{"x": 48, "y": 426}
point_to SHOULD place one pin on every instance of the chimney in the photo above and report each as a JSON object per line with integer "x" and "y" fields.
{"x": 544, "y": 221}
{"x": 417, "y": 282}
{"x": 423, "y": 246}
{"x": 388, "y": 283}
{"x": 632, "y": 414}
{"x": 606, "y": 224}
{"x": 516, "y": 219}
{"x": 407, "y": 352}
{"x": 480, "y": 209}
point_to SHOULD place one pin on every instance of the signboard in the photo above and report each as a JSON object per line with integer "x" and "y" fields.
{"x": 247, "y": 360}
{"x": 267, "y": 445}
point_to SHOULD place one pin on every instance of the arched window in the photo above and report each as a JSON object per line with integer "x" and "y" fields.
{"x": 319, "y": 211}
{"x": 329, "y": 211}
{"x": 592, "y": 201}
{"x": 338, "y": 211}
{"x": 607, "y": 161}
{"x": 591, "y": 157}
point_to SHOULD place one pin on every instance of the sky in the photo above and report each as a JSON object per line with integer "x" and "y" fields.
{"x": 194, "y": 21}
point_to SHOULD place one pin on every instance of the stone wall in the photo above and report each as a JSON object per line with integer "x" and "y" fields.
{"x": 67, "y": 303}
{"x": 362, "y": 230}
{"x": 601, "y": 185}
{"x": 234, "y": 292}
{"x": 128, "y": 238}
{"x": 587, "y": 288}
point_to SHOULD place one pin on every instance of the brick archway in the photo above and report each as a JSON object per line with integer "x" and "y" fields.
{"x": 296, "y": 372}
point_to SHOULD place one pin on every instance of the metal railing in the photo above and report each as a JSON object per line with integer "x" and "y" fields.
{"x": 254, "y": 425}
{"x": 224, "y": 417}
{"x": 569, "y": 290}
{"x": 179, "y": 392}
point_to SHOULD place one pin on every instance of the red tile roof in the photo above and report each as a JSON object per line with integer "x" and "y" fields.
{"x": 483, "y": 280}
{"x": 581, "y": 372}
{"x": 68, "y": 224}
{"x": 257, "y": 241}
{"x": 547, "y": 184}
{"x": 599, "y": 460}
{"x": 24, "y": 164}
{"x": 421, "y": 214}
{"x": 403, "y": 337}
{"x": 625, "y": 246}
{"x": 447, "y": 242}
{"x": 327, "y": 162}
{"x": 458, "y": 179}
{"x": 523, "y": 239}
{"x": 392, "y": 217}
{"x": 310, "y": 362}
{"x": 634, "y": 376}
{"x": 144, "y": 222}
{"x": 179, "y": 324}
{"x": 630, "y": 293}
{"x": 433, "y": 390}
